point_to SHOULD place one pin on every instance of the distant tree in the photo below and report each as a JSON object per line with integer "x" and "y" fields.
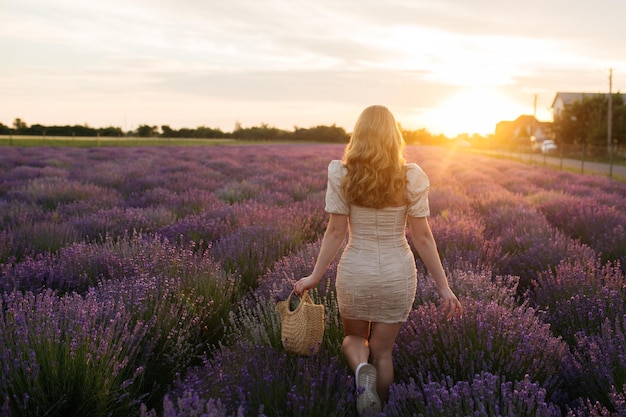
{"x": 185, "y": 132}
{"x": 618, "y": 129}
{"x": 168, "y": 132}
{"x": 480, "y": 141}
{"x": 145, "y": 131}
{"x": 332, "y": 134}
{"x": 264, "y": 132}
{"x": 19, "y": 125}
{"x": 111, "y": 132}
{"x": 4, "y": 130}
{"x": 585, "y": 121}
{"x": 420, "y": 136}
{"x": 208, "y": 133}
{"x": 78, "y": 130}
{"x": 34, "y": 130}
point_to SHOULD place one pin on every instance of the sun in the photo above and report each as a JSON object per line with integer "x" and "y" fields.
{"x": 473, "y": 110}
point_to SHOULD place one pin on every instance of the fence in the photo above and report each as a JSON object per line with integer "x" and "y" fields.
{"x": 582, "y": 158}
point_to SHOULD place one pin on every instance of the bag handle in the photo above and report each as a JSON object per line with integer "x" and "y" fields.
{"x": 304, "y": 298}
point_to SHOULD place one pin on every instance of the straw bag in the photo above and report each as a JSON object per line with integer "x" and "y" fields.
{"x": 302, "y": 329}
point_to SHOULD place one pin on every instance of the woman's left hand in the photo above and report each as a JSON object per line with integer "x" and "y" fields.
{"x": 449, "y": 303}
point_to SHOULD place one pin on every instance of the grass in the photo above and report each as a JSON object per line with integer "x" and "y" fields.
{"x": 554, "y": 161}
{"x": 96, "y": 142}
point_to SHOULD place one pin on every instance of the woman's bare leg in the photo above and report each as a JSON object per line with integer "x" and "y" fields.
{"x": 381, "y": 341}
{"x": 355, "y": 344}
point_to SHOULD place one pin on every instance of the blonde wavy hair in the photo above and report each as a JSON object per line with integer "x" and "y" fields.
{"x": 375, "y": 160}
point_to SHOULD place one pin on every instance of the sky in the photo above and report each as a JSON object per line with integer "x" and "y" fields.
{"x": 448, "y": 66}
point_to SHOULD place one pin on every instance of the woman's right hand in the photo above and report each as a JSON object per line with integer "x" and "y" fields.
{"x": 304, "y": 284}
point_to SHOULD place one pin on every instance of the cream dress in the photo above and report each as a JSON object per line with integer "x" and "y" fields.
{"x": 376, "y": 275}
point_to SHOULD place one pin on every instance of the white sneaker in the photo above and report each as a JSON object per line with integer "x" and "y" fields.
{"x": 367, "y": 400}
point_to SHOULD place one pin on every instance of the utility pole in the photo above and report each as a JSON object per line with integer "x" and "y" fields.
{"x": 535, "y": 107}
{"x": 610, "y": 122}
{"x": 610, "y": 118}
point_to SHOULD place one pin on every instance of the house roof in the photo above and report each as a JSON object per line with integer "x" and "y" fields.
{"x": 524, "y": 119}
{"x": 525, "y": 123}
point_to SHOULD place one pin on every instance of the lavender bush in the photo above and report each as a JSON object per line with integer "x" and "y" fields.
{"x": 462, "y": 242}
{"x": 527, "y": 244}
{"x": 32, "y": 238}
{"x": 595, "y": 409}
{"x": 601, "y": 226}
{"x": 266, "y": 381}
{"x": 252, "y": 249}
{"x": 477, "y": 286}
{"x": 586, "y": 305}
{"x": 257, "y": 322}
{"x": 187, "y": 321}
{"x": 190, "y": 404}
{"x": 578, "y": 297}
{"x": 70, "y": 355}
{"x": 182, "y": 293}
{"x": 602, "y": 364}
{"x": 488, "y": 337}
{"x": 486, "y": 395}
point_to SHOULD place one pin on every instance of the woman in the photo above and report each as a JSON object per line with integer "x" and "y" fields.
{"x": 371, "y": 194}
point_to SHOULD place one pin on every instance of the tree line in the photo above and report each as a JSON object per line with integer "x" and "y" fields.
{"x": 329, "y": 134}
{"x": 264, "y": 132}
{"x": 20, "y": 127}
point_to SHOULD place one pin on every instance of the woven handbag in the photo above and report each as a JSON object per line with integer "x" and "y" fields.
{"x": 302, "y": 329}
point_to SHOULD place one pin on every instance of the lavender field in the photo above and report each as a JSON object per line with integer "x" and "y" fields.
{"x": 142, "y": 282}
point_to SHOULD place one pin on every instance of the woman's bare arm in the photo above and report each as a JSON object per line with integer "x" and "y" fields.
{"x": 334, "y": 236}
{"x": 424, "y": 243}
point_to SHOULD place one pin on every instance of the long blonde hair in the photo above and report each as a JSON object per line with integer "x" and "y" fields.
{"x": 375, "y": 160}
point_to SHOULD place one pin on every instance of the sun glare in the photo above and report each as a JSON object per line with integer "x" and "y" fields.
{"x": 476, "y": 110}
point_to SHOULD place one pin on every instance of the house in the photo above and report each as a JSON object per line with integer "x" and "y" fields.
{"x": 562, "y": 100}
{"x": 526, "y": 129}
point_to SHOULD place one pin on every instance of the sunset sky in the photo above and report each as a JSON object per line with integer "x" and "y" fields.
{"x": 450, "y": 66}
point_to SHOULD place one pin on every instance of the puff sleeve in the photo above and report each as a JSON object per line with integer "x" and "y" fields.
{"x": 336, "y": 202}
{"x": 417, "y": 191}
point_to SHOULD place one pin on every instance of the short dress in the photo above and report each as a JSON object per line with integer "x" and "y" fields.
{"x": 376, "y": 275}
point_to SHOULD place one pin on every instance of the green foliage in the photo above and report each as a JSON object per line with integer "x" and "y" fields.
{"x": 585, "y": 121}
{"x": 19, "y": 125}
{"x": 145, "y": 131}
{"x": 201, "y": 132}
{"x": 264, "y": 132}
{"x": 332, "y": 134}
{"x": 421, "y": 136}
{"x": 21, "y": 128}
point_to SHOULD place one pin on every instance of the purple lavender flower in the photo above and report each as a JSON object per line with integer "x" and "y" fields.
{"x": 483, "y": 395}
{"x": 488, "y": 337}
{"x": 261, "y": 378}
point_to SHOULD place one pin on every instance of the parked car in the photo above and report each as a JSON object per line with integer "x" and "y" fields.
{"x": 548, "y": 146}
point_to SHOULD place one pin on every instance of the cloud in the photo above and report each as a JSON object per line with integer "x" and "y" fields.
{"x": 300, "y": 59}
